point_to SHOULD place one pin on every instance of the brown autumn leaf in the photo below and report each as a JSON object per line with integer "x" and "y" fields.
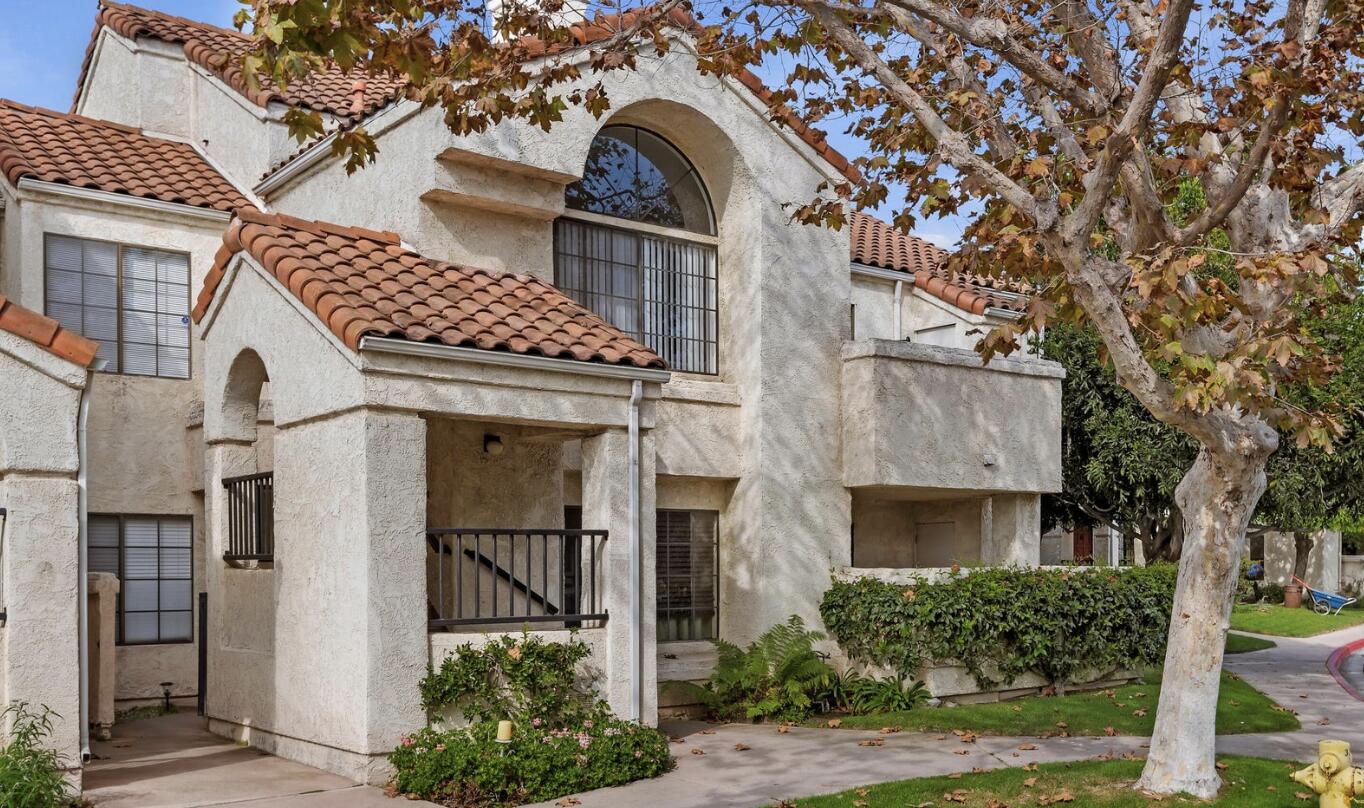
{"x": 696, "y": 750}
{"x": 741, "y": 747}
{"x": 872, "y": 742}
{"x": 567, "y": 802}
{"x": 835, "y": 723}
{"x": 1110, "y": 732}
{"x": 1030, "y": 782}
{"x": 1027, "y": 747}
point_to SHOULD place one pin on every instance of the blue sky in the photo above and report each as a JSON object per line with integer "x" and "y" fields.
{"x": 40, "y": 58}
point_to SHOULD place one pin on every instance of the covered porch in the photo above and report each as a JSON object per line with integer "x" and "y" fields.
{"x": 410, "y": 498}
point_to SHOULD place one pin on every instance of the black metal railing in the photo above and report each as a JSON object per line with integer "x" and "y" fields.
{"x": 250, "y": 517}
{"x": 479, "y": 577}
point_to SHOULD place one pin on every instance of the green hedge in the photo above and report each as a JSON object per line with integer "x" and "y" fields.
{"x": 1004, "y": 622}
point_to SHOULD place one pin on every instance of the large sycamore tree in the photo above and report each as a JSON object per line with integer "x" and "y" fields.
{"x": 1063, "y": 129}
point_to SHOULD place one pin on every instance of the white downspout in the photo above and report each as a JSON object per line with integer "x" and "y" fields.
{"x": 83, "y": 586}
{"x": 899, "y": 306}
{"x": 636, "y": 617}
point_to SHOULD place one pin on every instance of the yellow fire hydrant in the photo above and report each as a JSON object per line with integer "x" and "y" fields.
{"x": 1333, "y": 776}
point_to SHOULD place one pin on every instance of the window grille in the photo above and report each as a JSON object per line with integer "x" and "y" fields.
{"x": 153, "y": 557}
{"x": 660, "y": 290}
{"x": 687, "y": 568}
{"x": 133, "y": 301}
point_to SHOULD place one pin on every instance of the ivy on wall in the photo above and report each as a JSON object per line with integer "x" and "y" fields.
{"x": 1001, "y": 623}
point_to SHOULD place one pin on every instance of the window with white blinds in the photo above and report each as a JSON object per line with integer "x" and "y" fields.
{"x": 687, "y": 569}
{"x": 133, "y": 301}
{"x": 153, "y": 558}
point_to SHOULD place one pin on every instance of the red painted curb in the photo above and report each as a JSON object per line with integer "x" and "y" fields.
{"x": 1334, "y": 661}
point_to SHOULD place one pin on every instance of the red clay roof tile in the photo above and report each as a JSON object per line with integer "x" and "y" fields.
{"x": 46, "y": 333}
{"x": 877, "y": 243}
{"x": 86, "y": 153}
{"x": 364, "y": 292}
{"x": 218, "y": 50}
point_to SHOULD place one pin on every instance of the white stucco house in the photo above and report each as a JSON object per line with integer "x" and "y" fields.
{"x": 592, "y": 378}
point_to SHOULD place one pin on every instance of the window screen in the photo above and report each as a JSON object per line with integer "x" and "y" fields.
{"x": 133, "y": 301}
{"x": 687, "y": 566}
{"x": 153, "y": 559}
{"x": 659, "y": 290}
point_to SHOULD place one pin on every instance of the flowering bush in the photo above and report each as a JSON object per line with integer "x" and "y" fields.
{"x": 564, "y": 738}
{"x": 467, "y": 766}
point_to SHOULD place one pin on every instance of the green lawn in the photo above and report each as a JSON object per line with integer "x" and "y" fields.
{"x": 1281, "y": 622}
{"x": 1129, "y": 710}
{"x": 1247, "y": 783}
{"x": 1242, "y": 644}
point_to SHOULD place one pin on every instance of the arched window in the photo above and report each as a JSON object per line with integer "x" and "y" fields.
{"x": 637, "y": 245}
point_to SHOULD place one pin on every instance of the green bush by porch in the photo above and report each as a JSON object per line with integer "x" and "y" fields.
{"x": 565, "y": 739}
{"x": 1281, "y": 622}
{"x": 1001, "y": 623}
{"x": 1128, "y": 710}
{"x": 1248, "y": 783}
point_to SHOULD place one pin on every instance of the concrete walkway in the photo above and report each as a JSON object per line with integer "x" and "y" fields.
{"x": 173, "y": 762}
{"x": 807, "y": 762}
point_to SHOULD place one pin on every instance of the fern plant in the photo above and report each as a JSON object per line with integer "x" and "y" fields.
{"x": 778, "y": 677}
{"x": 865, "y": 695}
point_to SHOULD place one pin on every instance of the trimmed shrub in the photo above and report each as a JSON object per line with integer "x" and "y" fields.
{"x": 1001, "y": 623}
{"x": 564, "y": 738}
{"x": 468, "y": 767}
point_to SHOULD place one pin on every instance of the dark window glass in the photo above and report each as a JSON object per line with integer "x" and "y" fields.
{"x": 687, "y": 567}
{"x": 153, "y": 559}
{"x": 661, "y": 291}
{"x": 634, "y": 174}
{"x": 133, "y": 301}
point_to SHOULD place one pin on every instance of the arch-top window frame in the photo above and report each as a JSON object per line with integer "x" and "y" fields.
{"x": 649, "y": 155}
{"x": 648, "y": 277}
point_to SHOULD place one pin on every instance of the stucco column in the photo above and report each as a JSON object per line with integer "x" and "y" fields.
{"x": 606, "y": 506}
{"x": 1014, "y": 533}
{"x": 395, "y": 517}
{"x": 226, "y": 697}
{"x": 40, "y": 662}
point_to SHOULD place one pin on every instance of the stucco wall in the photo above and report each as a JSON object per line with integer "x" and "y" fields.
{"x": 923, "y": 318}
{"x": 1323, "y": 562}
{"x": 140, "y": 462}
{"x": 39, "y": 567}
{"x": 937, "y": 418}
{"x": 889, "y": 532}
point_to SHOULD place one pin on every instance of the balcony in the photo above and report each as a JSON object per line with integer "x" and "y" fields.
{"x": 250, "y": 518}
{"x": 938, "y": 420}
{"x": 481, "y": 577}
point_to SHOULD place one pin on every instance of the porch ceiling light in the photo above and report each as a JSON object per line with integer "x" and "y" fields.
{"x": 492, "y": 445}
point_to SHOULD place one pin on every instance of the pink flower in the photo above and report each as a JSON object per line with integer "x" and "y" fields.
{"x": 406, "y": 741}
{"x": 440, "y": 747}
{"x": 639, "y": 753}
{"x": 588, "y": 723}
{"x": 535, "y": 722}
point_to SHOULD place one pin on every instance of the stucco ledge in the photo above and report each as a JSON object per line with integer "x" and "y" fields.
{"x": 957, "y": 357}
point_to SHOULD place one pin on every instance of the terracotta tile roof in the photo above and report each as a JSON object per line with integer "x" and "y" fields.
{"x": 218, "y": 50}
{"x": 86, "y": 153}
{"x": 46, "y": 333}
{"x": 877, "y": 243}
{"x": 365, "y": 283}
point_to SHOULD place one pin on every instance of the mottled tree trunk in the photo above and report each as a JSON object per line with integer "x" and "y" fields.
{"x": 1303, "y": 543}
{"x": 1217, "y": 497}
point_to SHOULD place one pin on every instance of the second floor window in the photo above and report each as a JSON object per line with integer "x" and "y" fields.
{"x": 132, "y": 300}
{"x": 638, "y": 247}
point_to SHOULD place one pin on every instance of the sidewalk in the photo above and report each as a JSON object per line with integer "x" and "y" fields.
{"x": 173, "y": 762}
{"x": 807, "y": 762}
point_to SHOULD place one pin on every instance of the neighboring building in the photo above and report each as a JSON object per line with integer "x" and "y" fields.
{"x": 591, "y": 378}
